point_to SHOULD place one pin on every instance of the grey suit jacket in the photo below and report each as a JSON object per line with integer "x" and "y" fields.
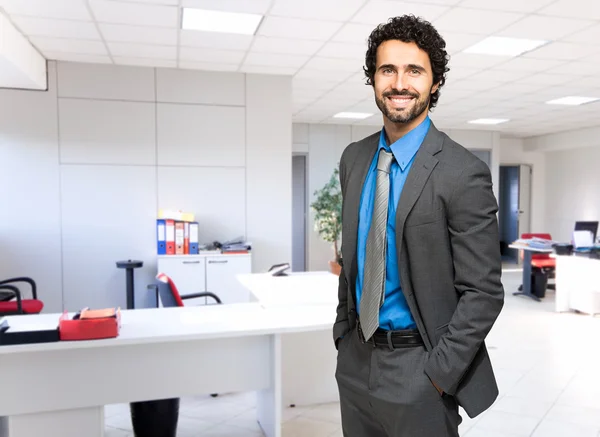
{"x": 448, "y": 257}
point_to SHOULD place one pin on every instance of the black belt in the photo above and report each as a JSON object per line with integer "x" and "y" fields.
{"x": 393, "y": 339}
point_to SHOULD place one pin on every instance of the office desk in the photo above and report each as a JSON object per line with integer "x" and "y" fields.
{"x": 527, "y": 254}
{"x": 308, "y": 358}
{"x": 577, "y": 284}
{"x": 60, "y": 389}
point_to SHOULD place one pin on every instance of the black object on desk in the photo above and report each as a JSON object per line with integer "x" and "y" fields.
{"x": 129, "y": 265}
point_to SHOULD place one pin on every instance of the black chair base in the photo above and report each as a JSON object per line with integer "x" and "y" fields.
{"x": 155, "y": 418}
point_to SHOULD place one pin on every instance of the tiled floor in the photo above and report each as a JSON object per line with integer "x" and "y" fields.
{"x": 547, "y": 366}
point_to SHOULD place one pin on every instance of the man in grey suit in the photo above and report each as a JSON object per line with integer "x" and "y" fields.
{"x": 420, "y": 286}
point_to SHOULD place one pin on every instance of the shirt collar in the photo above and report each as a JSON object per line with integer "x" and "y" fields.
{"x": 407, "y": 146}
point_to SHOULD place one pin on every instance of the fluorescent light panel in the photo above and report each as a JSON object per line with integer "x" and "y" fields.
{"x": 489, "y": 121}
{"x": 356, "y": 115}
{"x": 572, "y": 100}
{"x": 503, "y": 46}
{"x": 219, "y": 21}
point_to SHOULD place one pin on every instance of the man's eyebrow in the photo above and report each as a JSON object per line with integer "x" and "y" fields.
{"x": 415, "y": 67}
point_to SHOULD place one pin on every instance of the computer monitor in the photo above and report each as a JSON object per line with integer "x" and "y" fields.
{"x": 588, "y": 226}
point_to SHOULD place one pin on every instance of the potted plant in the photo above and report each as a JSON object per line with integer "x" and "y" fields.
{"x": 328, "y": 217}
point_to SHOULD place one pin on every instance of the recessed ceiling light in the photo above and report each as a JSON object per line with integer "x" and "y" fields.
{"x": 357, "y": 115}
{"x": 503, "y": 46}
{"x": 489, "y": 121}
{"x": 219, "y": 21}
{"x": 572, "y": 100}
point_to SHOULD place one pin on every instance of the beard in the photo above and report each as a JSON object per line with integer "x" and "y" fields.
{"x": 404, "y": 115}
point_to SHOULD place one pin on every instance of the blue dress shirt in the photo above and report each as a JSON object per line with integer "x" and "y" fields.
{"x": 394, "y": 314}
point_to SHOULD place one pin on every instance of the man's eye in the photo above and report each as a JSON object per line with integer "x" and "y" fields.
{"x": 415, "y": 72}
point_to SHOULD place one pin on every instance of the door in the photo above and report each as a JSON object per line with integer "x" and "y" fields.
{"x": 221, "y": 272}
{"x": 299, "y": 206}
{"x": 524, "y": 211}
{"x": 508, "y": 211}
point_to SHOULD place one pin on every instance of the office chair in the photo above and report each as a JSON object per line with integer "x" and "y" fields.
{"x": 169, "y": 295}
{"x": 20, "y": 305}
{"x": 541, "y": 261}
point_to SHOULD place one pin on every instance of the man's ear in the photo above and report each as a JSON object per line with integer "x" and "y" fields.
{"x": 435, "y": 87}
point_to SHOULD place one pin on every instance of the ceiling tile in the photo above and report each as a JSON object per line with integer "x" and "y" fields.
{"x": 436, "y": 2}
{"x": 208, "y": 66}
{"x": 380, "y": 11}
{"x": 82, "y": 46}
{"x": 573, "y": 8}
{"x": 138, "y": 34}
{"x": 262, "y": 69}
{"x": 507, "y": 5}
{"x": 154, "y": 2}
{"x": 126, "y": 49}
{"x": 62, "y": 9}
{"x": 456, "y": 42}
{"x": 312, "y": 74}
{"x": 145, "y": 62}
{"x": 344, "y": 50}
{"x": 32, "y": 26}
{"x": 108, "y": 11}
{"x": 249, "y": 7}
{"x": 308, "y": 84}
{"x": 561, "y": 50}
{"x": 476, "y": 61}
{"x": 211, "y": 40}
{"x": 498, "y": 75}
{"x": 265, "y": 44}
{"x": 590, "y": 35}
{"x": 78, "y": 57}
{"x": 295, "y": 28}
{"x": 456, "y": 73}
{"x": 528, "y": 64}
{"x": 547, "y": 28}
{"x": 329, "y": 64}
{"x": 275, "y": 60}
{"x": 210, "y": 55}
{"x": 334, "y": 10}
{"x": 354, "y": 33}
{"x": 475, "y": 85}
{"x": 475, "y": 21}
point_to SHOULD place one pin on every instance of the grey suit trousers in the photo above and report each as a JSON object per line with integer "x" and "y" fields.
{"x": 386, "y": 393}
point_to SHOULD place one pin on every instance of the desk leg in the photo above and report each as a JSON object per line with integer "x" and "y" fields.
{"x": 269, "y": 400}
{"x": 88, "y": 422}
{"x": 527, "y": 277}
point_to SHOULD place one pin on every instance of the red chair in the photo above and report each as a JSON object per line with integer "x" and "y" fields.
{"x": 170, "y": 297}
{"x": 20, "y": 305}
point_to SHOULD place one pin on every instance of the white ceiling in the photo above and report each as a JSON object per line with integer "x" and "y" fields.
{"x": 322, "y": 44}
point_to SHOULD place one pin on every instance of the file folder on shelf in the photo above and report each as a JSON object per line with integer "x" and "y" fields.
{"x": 161, "y": 233}
{"x": 170, "y": 236}
{"x": 194, "y": 238}
{"x": 179, "y": 233}
{"x": 186, "y": 238}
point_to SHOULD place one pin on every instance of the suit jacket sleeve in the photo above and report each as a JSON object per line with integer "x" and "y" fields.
{"x": 473, "y": 231}
{"x": 341, "y": 325}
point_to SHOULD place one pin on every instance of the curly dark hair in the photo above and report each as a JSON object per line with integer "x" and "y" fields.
{"x": 409, "y": 28}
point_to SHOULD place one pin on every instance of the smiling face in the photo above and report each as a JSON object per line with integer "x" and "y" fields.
{"x": 403, "y": 83}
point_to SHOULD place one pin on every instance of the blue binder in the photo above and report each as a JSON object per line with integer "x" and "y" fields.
{"x": 194, "y": 238}
{"x": 161, "y": 234}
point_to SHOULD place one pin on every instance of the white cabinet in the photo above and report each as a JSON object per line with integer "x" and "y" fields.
{"x": 214, "y": 273}
{"x": 221, "y": 279}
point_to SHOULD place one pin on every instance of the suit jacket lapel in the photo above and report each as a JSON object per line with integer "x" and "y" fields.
{"x": 360, "y": 167}
{"x": 424, "y": 163}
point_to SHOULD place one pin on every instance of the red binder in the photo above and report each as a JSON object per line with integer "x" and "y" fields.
{"x": 186, "y": 238}
{"x": 170, "y": 226}
{"x": 179, "y": 233}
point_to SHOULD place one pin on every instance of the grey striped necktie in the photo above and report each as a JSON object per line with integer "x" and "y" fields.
{"x": 373, "y": 292}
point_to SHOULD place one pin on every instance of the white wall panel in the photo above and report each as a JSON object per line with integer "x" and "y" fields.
{"x": 105, "y": 132}
{"x": 103, "y": 81}
{"x": 201, "y": 135}
{"x": 108, "y": 214}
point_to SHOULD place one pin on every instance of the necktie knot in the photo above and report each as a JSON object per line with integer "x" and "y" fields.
{"x": 384, "y": 163}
